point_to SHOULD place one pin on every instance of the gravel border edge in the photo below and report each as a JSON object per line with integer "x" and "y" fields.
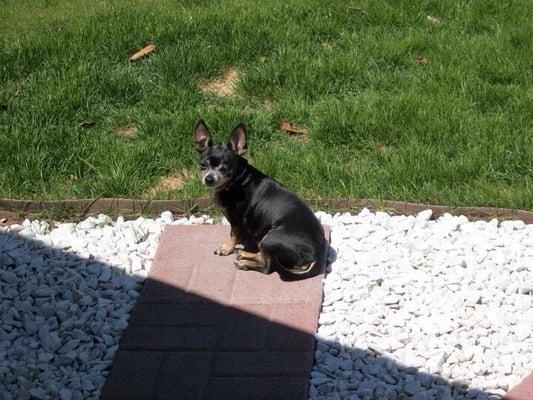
{"x": 14, "y": 210}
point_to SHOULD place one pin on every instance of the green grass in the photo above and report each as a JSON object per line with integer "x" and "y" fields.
{"x": 457, "y": 130}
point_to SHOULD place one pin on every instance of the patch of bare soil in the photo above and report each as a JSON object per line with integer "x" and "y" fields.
{"x": 223, "y": 86}
{"x": 173, "y": 181}
{"x": 129, "y": 131}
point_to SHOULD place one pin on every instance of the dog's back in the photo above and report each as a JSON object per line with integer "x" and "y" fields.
{"x": 270, "y": 208}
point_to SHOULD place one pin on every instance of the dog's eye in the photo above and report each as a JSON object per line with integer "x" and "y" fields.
{"x": 203, "y": 166}
{"x": 224, "y": 169}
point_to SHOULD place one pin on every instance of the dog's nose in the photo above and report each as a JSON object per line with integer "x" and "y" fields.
{"x": 209, "y": 179}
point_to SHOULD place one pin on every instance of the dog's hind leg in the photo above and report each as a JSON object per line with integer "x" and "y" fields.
{"x": 252, "y": 261}
{"x": 247, "y": 255}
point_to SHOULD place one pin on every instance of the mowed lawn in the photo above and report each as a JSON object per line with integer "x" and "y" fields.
{"x": 428, "y": 101}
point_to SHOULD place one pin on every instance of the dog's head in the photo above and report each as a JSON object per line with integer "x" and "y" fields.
{"x": 218, "y": 163}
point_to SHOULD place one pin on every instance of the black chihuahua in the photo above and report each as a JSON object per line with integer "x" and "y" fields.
{"x": 271, "y": 227}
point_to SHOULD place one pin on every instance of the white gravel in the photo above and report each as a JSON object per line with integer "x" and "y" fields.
{"x": 66, "y": 293}
{"x": 413, "y": 308}
{"x": 410, "y": 301}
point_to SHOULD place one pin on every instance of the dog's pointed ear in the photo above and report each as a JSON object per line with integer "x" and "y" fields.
{"x": 201, "y": 136}
{"x": 237, "y": 141}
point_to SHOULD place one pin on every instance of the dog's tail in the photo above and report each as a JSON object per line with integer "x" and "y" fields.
{"x": 309, "y": 270}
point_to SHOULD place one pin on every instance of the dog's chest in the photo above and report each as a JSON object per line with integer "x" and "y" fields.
{"x": 234, "y": 207}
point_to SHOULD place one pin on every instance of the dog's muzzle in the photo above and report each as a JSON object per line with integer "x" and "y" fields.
{"x": 212, "y": 179}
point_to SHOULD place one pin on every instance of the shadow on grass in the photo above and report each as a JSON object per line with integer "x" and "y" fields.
{"x": 187, "y": 348}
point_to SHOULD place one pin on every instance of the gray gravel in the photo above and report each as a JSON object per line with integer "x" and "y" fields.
{"x": 66, "y": 296}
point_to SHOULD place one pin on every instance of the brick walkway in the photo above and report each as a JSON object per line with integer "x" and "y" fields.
{"x": 205, "y": 330}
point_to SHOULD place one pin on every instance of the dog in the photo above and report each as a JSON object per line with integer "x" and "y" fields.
{"x": 272, "y": 229}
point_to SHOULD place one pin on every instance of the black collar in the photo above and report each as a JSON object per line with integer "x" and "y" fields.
{"x": 242, "y": 178}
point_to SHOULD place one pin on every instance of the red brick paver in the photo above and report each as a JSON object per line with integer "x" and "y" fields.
{"x": 205, "y": 330}
{"x": 522, "y": 391}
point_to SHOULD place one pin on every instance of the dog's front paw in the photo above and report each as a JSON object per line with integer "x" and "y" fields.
{"x": 225, "y": 249}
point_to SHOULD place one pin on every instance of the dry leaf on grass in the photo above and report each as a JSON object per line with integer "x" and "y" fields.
{"x": 433, "y": 20}
{"x": 422, "y": 60}
{"x": 86, "y": 124}
{"x": 142, "y": 52}
{"x": 293, "y": 130}
{"x": 129, "y": 131}
{"x": 223, "y": 86}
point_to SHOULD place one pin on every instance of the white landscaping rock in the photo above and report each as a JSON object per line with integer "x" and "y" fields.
{"x": 425, "y": 309}
{"x": 167, "y": 217}
{"x": 424, "y": 216}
